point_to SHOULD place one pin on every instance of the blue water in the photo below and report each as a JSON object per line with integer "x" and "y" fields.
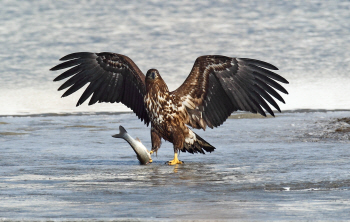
{"x": 308, "y": 41}
{"x": 58, "y": 161}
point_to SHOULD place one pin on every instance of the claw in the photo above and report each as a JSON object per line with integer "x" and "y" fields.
{"x": 175, "y": 160}
{"x": 150, "y": 159}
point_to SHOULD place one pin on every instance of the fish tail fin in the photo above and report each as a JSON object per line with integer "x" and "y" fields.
{"x": 198, "y": 146}
{"x": 121, "y": 133}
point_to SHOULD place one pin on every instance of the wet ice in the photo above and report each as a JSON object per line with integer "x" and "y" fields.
{"x": 263, "y": 168}
{"x": 67, "y": 166}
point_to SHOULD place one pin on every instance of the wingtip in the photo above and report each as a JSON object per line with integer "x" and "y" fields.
{"x": 259, "y": 63}
{"x": 273, "y": 67}
{"x": 55, "y": 79}
{"x": 77, "y": 55}
{"x": 270, "y": 66}
{"x": 55, "y": 68}
{"x": 69, "y": 56}
{"x": 271, "y": 113}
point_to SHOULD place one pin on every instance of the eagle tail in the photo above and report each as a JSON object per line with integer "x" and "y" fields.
{"x": 198, "y": 146}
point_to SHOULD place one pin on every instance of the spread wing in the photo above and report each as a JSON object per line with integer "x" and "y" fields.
{"x": 219, "y": 85}
{"x": 112, "y": 77}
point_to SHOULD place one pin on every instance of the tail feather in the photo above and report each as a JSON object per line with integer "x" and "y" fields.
{"x": 121, "y": 133}
{"x": 199, "y": 146}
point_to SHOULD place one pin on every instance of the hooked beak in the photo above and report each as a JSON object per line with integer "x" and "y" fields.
{"x": 152, "y": 74}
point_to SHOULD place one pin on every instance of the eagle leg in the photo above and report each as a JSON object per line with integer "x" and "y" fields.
{"x": 175, "y": 160}
{"x": 156, "y": 140}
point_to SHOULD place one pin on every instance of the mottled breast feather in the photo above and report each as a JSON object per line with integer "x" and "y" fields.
{"x": 219, "y": 85}
{"x": 161, "y": 108}
{"x": 112, "y": 77}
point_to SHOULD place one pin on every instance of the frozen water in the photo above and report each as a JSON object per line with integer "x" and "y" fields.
{"x": 59, "y": 165}
{"x": 308, "y": 41}
{"x": 294, "y": 166}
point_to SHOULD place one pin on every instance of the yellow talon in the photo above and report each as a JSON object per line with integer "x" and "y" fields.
{"x": 150, "y": 159}
{"x": 175, "y": 160}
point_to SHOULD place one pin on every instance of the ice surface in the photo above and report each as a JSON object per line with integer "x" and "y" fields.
{"x": 58, "y": 165}
{"x": 294, "y": 166}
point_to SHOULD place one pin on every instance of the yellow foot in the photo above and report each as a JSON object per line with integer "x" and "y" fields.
{"x": 175, "y": 160}
{"x": 150, "y": 159}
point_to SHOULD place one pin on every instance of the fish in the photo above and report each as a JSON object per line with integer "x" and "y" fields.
{"x": 143, "y": 155}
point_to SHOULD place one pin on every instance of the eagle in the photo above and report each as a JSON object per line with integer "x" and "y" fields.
{"x": 216, "y": 86}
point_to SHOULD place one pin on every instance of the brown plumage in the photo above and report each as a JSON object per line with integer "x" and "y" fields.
{"x": 215, "y": 87}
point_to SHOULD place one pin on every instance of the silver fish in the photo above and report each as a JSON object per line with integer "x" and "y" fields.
{"x": 143, "y": 155}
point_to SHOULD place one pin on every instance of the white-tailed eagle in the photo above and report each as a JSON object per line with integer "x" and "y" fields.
{"x": 216, "y": 87}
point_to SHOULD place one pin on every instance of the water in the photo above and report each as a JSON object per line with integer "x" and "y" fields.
{"x": 308, "y": 41}
{"x": 294, "y": 166}
{"x": 59, "y": 161}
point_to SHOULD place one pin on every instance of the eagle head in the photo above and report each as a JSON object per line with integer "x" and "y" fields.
{"x": 152, "y": 74}
{"x": 155, "y": 82}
